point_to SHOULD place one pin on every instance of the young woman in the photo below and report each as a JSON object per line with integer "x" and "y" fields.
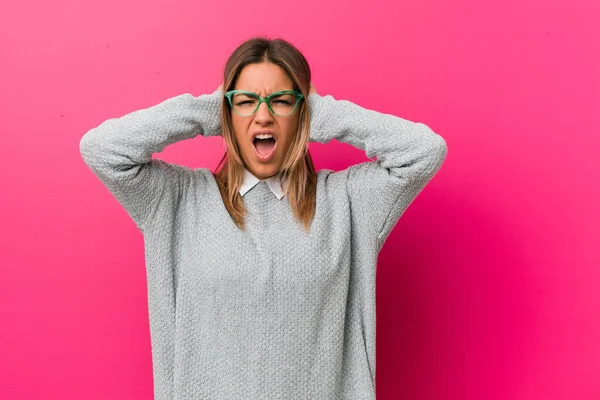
{"x": 261, "y": 277}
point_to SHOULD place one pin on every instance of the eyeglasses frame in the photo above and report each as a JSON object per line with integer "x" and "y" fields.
{"x": 229, "y": 95}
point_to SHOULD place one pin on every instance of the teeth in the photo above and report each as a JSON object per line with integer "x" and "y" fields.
{"x": 264, "y": 136}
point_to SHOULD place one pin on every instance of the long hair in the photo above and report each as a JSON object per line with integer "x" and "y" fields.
{"x": 297, "y": 171}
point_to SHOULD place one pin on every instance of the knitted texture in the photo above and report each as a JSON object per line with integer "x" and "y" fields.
{"x": 272, "y": 312}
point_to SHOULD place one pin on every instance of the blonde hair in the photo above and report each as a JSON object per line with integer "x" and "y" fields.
{"x": 298, "y": 170}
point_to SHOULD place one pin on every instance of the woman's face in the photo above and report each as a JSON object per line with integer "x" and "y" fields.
{"x": 263, "y": 79}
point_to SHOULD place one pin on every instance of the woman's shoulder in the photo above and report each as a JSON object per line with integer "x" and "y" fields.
{"x": 186, "y": 178}
{"x": 205, "y": 177}
{"x": 334, "y": 178}
{"x": 332, "y": 181}
{"x": 204, "y": 172}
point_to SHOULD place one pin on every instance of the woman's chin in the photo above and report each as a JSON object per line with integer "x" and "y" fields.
{"x": 263, "y": 170}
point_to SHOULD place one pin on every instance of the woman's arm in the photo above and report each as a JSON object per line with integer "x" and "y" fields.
{"x": 408, "y": 155}
{"x": 119, "y": 151}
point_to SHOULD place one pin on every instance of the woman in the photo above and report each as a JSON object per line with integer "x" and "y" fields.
{"x": 261, "y": 277}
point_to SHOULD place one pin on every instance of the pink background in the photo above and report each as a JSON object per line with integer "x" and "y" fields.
{"x": 488, "y": 287}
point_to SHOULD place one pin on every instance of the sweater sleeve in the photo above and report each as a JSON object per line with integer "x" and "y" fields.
{"x": 119, "y": 151}
{"x": 408, "y": 155}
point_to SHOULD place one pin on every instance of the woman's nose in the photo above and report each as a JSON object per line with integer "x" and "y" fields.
{"x": 263, "y": 112}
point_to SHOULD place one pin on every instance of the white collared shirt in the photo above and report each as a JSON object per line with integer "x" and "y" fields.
{"x": 249, "y": 181}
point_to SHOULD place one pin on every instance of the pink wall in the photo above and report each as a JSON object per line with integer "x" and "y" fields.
{"x": 488, "y": 285}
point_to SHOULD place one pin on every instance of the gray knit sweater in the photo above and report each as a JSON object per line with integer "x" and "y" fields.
{"x": 272, "y": 312}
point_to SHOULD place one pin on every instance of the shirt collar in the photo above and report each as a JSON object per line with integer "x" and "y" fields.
{"x": 274, "y": 182}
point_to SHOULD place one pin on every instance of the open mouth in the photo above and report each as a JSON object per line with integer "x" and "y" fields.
{"x": 265, "y": 147}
